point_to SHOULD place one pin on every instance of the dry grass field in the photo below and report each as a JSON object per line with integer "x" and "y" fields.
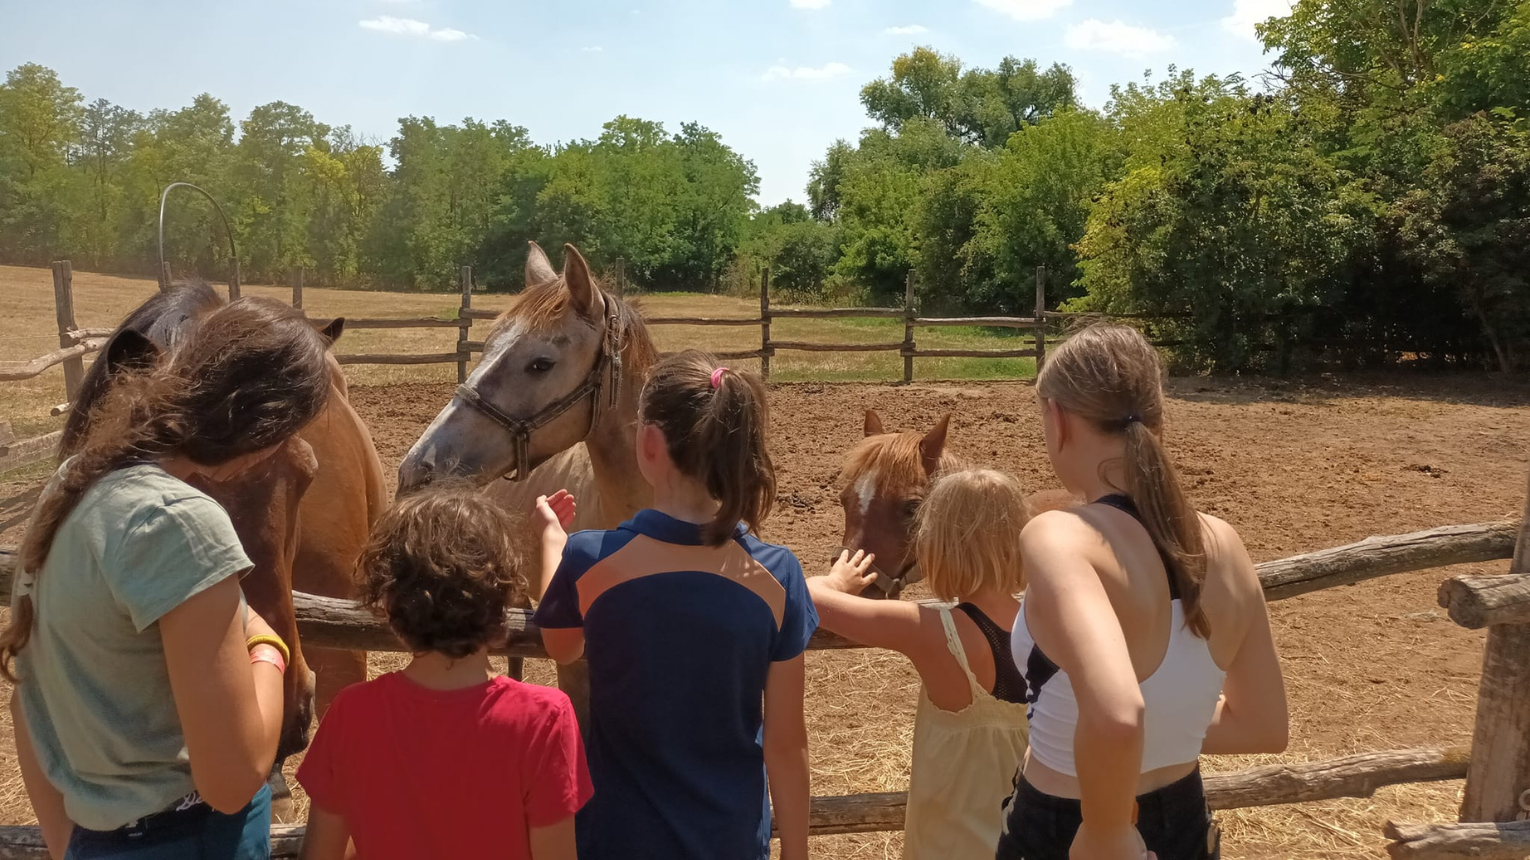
{"x": 1295, "y": 465}
{"x": 28, "y": 329}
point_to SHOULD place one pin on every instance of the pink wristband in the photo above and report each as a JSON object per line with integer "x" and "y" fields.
{"x": 268, "y": 654}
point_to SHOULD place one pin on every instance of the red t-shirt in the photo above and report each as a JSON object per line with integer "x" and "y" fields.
{"x": 460, "y": 773}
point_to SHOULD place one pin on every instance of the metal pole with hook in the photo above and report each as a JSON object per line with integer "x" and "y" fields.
{"x": 164, "y": 265}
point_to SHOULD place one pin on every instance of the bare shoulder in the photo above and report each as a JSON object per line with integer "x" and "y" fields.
{"x": 1049, "y": 527}
{"x": 1059, "y": 545}
{"x": 1226, "y": 556}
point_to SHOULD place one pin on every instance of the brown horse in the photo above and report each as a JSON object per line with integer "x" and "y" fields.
{"x": 552, "y": 405}
{"x": 885, "y": 478}
{"x": 302, "y": 516}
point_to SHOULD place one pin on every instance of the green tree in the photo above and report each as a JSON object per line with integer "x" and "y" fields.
{"x": 1467, "y": 227}
{"x": 1240, "y": 228}
{"x": 39, "y": 126}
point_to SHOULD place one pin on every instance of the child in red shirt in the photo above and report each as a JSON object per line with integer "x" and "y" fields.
{"x": 444, "y": 758}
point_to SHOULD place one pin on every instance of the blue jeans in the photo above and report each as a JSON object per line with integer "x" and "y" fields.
{"x": 200, "y": 833}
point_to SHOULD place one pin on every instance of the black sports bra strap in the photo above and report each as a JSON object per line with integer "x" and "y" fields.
{"x": 1125, "y": 505}
{"x": 1008, "y": 683}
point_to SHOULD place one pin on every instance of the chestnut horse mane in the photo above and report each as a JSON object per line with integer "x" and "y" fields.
{"x": 541, "y": 307}
{"x": 165, "y": 319}
{"x": 895, "y": 460}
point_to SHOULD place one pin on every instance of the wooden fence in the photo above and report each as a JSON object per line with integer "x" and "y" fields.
{"x": 75, "y": 343}
{"x": 1497, "y": 781}
{"x": 908, "y": 347}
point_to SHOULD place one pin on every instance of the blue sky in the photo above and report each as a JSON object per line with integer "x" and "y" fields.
{"x": 778, "y": 79}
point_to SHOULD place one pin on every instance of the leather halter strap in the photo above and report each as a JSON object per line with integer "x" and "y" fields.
{"x": 891, "y": 586}
{"x": 608, "y": 363}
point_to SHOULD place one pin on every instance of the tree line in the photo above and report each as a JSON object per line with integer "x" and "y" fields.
{"x": 1368, "y": 201}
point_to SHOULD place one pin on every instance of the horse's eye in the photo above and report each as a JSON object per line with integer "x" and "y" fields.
{"x": 540, "y": 365}
{"x": 911, "y": 508}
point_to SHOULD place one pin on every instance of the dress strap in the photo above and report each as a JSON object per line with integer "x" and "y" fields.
{"x": 954, "y": 645}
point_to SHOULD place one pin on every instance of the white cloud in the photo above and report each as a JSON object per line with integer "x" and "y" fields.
{"x": 1247, "y": 13}
{"x": 911, "y": 30}
{"x": 592, "y": 49}
{"x": 810, "y": 4}
{"x": 1117, "y": 37}
{"x": 1026, "y": 10}
{"x": 805, "y": 73}
{"x": 411, "y": 27}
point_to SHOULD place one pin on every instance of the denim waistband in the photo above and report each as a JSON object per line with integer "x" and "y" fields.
{"x": 185, "y": 809}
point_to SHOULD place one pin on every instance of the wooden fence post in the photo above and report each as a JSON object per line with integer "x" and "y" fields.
{"x": 63, "y": 306}
{"x": 621, "y": 276}
{"x": 297, "y": 290}
{"x": 1041, "y": 317}
{"x": 462, "y": 331}
{"x": 164, "y": 276}
{"x": 908, "y": 327}
{"x": 765, "y": 323}
{"x": 233, "y": 283}
{"x": 1498, "y": 779}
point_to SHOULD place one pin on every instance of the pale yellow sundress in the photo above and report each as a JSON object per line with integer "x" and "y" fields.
{"x": 964, "y": 765}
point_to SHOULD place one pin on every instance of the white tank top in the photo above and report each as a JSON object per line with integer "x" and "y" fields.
{"x": 1180, "y": 697}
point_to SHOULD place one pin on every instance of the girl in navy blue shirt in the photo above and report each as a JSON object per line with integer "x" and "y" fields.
{"x": 694, "y": 631}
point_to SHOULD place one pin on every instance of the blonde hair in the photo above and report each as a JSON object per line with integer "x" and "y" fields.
{"x": 1110, "y": 376}
{"x": 967, "y": 536}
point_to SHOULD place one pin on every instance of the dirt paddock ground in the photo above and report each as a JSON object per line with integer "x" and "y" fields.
{"x": 1294, "y": 465}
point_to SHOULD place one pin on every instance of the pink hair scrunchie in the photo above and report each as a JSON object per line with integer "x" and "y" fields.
{"x": 717, "y": 376}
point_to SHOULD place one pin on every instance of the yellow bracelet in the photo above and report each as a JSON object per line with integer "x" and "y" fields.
{"x": 273, "y": 641}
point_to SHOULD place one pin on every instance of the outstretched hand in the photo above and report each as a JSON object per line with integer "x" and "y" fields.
{"x": 555, "y": 513}
{"x": 851, "y": 573}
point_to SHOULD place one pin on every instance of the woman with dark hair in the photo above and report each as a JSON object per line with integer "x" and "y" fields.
{"x": 148, "y": 698}
{"x": 1143, "y": 635}
{"x": 694, "y": 630}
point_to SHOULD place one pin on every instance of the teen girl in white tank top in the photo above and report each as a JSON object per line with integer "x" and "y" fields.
{"x": 1143, "y": 636}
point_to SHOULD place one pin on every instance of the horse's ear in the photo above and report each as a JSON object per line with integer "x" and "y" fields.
{"x": 873, "y": 426}
{"x": 934, "y": 444}
{"x": 576, "y": 277}
{"x": 130, "y": 350}
{"x": 539, "y": 269}
{"x": 333, "y": 331}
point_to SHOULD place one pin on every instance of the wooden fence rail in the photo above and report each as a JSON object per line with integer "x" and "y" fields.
{"x": 1350, "y": 776}
{"x": 75, "y": 344}
{"x": 327, "y": 622}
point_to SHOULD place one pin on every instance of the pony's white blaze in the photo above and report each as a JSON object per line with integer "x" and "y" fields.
{"x": 866, "y": 490}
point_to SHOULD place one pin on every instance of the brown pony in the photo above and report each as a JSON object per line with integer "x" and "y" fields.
{"x": 302, "y": 516}
{"x": 885, "y": 478}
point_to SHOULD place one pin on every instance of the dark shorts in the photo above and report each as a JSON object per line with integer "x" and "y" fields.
{"x": 197, "y": 833}
{"x": 1174, "y": 822}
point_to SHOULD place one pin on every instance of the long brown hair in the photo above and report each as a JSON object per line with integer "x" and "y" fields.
{"x": 714, "y": 435}
{"x": 252, "y": 375}
{"x": 1111, "y": 376}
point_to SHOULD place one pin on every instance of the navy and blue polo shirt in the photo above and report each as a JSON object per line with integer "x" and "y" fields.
{"x": 679, "y": 637}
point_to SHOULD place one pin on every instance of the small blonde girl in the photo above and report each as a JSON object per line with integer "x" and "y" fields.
{"x": 970, "y": 732}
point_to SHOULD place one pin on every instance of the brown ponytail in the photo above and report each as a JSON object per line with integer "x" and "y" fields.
{"x": 1111, "y": 376}
{"x": 251, "y": 375}
{"x": 715, "y": 435}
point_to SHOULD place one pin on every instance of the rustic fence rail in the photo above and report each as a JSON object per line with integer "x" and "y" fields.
{"x": 332, "y": 623}
{"x": 75, "y": 343}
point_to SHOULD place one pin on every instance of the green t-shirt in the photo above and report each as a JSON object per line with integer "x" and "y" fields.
{"x": 95, "y": 688}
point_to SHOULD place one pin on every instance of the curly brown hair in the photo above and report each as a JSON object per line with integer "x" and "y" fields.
{"x": 441, "y": 567}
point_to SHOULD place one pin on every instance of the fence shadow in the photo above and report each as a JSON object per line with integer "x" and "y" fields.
{"x": 1494, "y": 390}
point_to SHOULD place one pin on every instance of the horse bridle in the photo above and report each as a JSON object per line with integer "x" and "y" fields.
{"x": 608, "y": 362}
{"x": 891, "y": 586}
